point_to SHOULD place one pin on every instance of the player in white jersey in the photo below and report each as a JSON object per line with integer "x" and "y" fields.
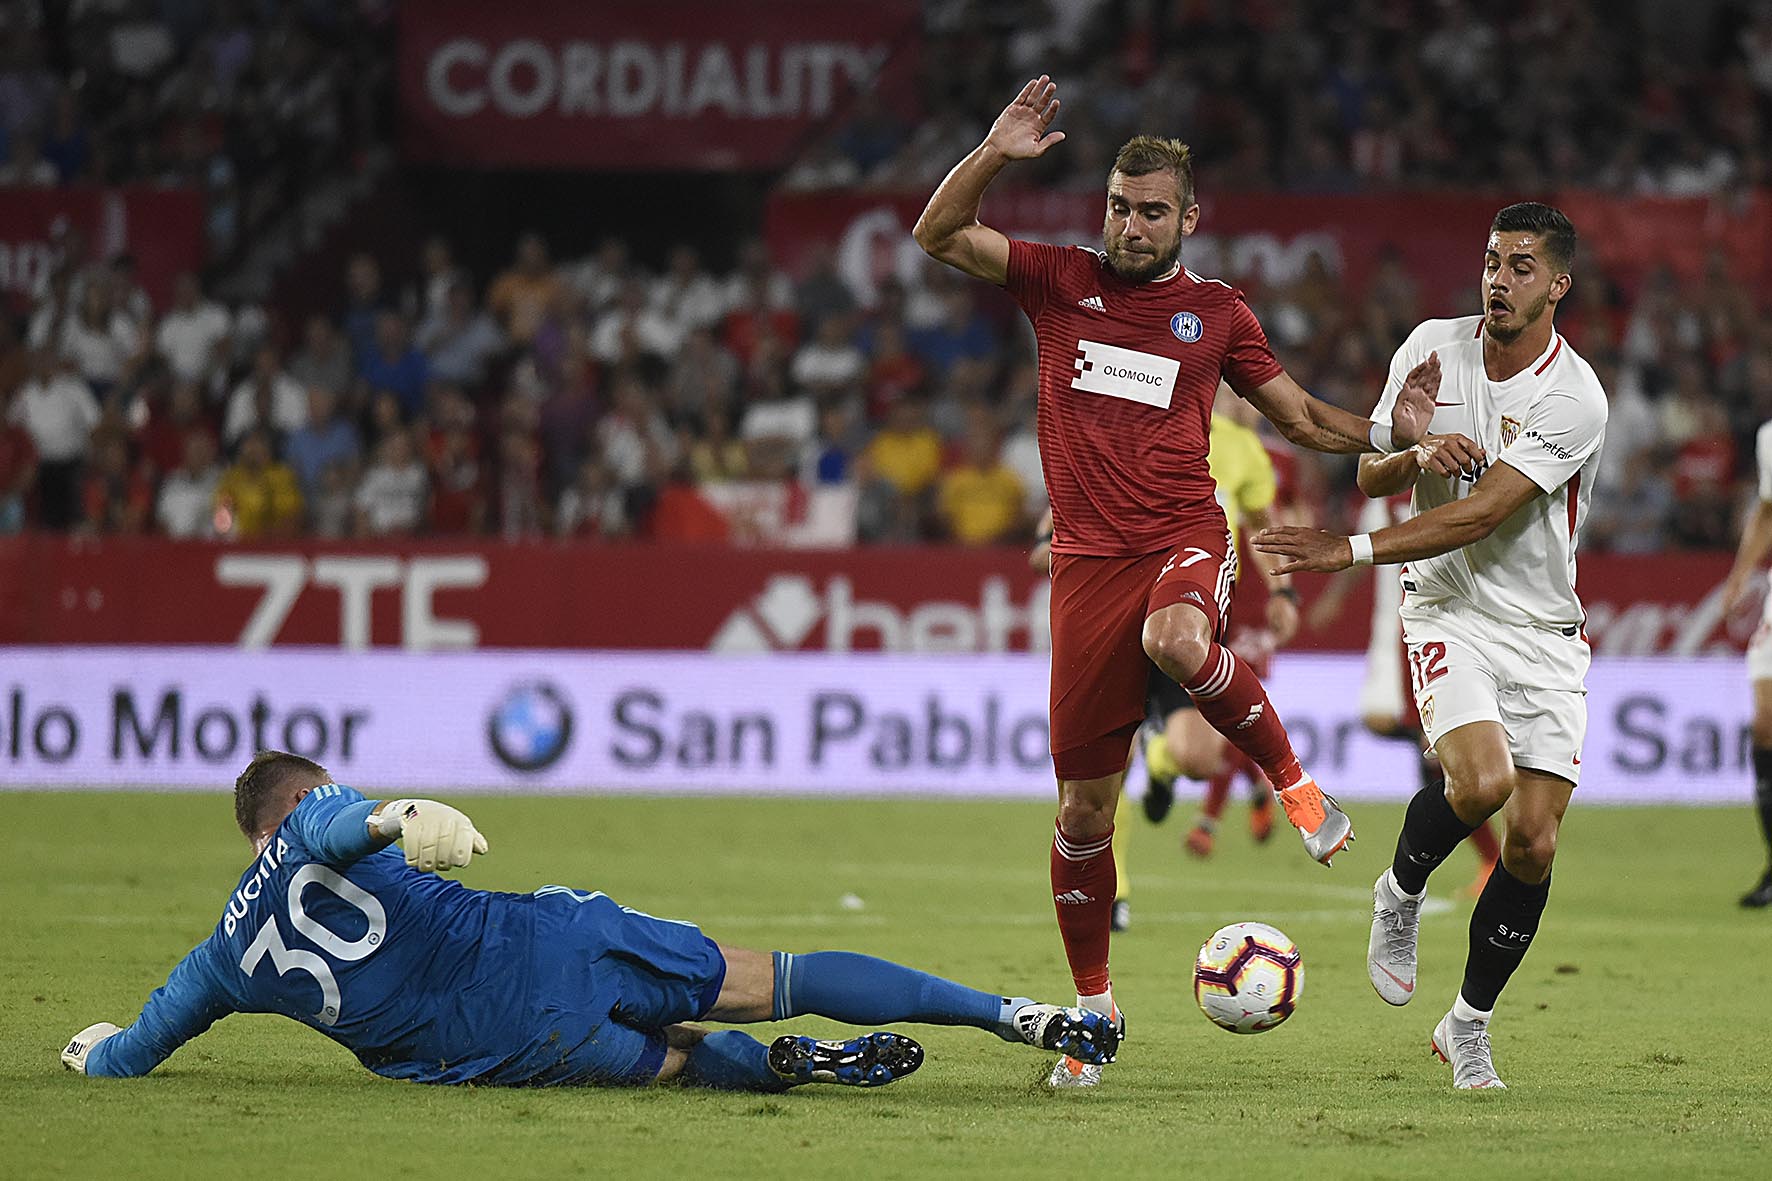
{"x": 1496, "y": 650}
{"x": 1750, "y": 555}
{"x": 1386, "y": 703}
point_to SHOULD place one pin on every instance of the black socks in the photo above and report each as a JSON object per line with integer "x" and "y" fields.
{"x": 1763, "y": 791}
{"x": 1502, "y": 928}
{"x": 1431, "y": 830}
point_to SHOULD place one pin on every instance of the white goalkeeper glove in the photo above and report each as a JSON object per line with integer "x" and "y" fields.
{"x": 74, "y": 1057}
{"x": 435, "y": 836}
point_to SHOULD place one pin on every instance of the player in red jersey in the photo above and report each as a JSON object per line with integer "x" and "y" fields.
{"x": 1131, "y": 350}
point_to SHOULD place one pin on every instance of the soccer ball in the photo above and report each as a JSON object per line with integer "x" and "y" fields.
{"x": 1248, "y": 977}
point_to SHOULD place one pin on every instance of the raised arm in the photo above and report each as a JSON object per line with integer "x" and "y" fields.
{"x": 339, "y": 826}
{"x": 948, "y": 229}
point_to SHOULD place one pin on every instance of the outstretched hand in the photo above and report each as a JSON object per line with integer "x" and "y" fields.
{"x": 1415, "y": 403}
{"x": 1020, "y": 132}
{"x": 1305, "y": 549}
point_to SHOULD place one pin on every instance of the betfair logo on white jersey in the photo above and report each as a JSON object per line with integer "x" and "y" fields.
{"x": 1125, "y": 373}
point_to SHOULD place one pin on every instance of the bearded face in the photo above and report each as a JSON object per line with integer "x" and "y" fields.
{"x": 1145, "y": 224}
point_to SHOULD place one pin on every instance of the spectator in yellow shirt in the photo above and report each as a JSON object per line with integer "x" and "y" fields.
{"x": 898, "y": 471}
{"x": 980, "y": 499}
{"x": 906, "y": 453}
{"x": 257, "y": 496}
{"x": 523, "y": 295}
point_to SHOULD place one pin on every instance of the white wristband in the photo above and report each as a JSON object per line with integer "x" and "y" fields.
{"x": 1381, "y": 439}
{"x": 1361, "y": 544}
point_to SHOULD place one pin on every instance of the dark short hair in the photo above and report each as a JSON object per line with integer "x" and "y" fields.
{"x": 1549, "y": 223}
{"x": 1144, "y": 154}
{"x": 265, "y": 778}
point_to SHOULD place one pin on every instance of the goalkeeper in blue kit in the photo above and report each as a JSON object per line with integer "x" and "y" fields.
{"x": 423, "y": 978}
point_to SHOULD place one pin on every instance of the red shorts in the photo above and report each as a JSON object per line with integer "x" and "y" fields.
{"x": 1099, "y": 668}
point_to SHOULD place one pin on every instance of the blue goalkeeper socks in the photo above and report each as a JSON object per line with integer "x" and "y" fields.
{"x": 732, "y": 1061}
{"x": 862, "y": 990}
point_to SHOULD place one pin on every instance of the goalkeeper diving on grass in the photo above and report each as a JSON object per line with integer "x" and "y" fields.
{"x": 423, "y": 978}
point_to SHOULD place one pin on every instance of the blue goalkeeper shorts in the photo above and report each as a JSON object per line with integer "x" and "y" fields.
{"x": 630, "y": 974}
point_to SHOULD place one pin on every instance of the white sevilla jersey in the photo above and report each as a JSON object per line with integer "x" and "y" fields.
{"x": 1548, "y": 422}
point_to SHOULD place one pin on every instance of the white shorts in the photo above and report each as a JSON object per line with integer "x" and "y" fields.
{"x": 1759, "y": 649}
{"x": 1467, "y": 667}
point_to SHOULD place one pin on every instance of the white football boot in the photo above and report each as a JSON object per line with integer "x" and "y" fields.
{"x": 1465, "y": 1046}
{"x": 1390, "y": 953}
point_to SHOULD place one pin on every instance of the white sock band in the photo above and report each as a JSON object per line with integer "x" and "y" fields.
{"x": 1462, "y": 1010}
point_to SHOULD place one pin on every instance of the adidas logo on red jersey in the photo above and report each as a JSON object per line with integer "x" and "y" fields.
{"x": 1093, "y": 303}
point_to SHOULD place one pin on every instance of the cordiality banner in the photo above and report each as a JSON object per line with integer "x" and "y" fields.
{"x": 699, "y": 84}
{"x": 1659, "y": 729}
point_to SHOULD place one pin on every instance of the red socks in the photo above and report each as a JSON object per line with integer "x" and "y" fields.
{"x": 1218, "y": 790}
{"x": 1083, "y": 894}
{"x": 1231, "y": 699}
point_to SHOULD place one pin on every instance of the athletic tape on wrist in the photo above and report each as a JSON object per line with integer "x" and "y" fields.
{"x": 392, "y": 820}
{"x": 1361, "y": 544}
{"x": 1380, "y": 437}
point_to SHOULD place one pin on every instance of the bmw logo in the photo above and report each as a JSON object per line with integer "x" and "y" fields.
{"x": 1186, "y": 326}
{"x": 530, "y": 727}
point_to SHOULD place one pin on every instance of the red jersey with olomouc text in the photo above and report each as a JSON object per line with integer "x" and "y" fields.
{"x": 1127, "y": 376}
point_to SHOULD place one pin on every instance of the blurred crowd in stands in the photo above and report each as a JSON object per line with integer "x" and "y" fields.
{"x": 1636, "y": 98}
{"x": 249, "y": 101}
{"x": 594, "y": 397}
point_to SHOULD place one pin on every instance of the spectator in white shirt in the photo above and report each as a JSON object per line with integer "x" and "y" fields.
{"x": 636, "y": 442}
{"x": 100, "y": 338}
{"x": 601, "y": 277}
{"x": 830, "y": 363}
{"x": 186, "y": 506}
{"x": 391, "y": 499}
{"x": 58, "y": 410}
{"x": 634, "y": 329}
{"x": 438, "y": 275}
{"x": 193, "y": 335}
{"x": 687, "y": 294}
{"x": 269, "y": 397}
{"x": 777, "y": 429}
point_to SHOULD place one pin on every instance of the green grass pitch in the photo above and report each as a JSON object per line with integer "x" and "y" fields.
{"x": 1636, "y": 1037}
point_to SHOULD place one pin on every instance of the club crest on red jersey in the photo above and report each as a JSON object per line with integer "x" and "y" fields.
{"x": 1187, "y": 327}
